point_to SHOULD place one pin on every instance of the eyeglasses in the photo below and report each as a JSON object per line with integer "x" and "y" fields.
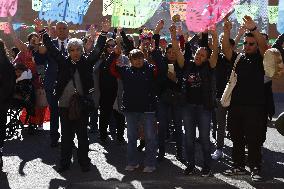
{"x": 247, "y": 43}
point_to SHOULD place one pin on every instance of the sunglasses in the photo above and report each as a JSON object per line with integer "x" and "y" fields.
{"x": 110, "y": 45}
{"x": 247, "y": 43}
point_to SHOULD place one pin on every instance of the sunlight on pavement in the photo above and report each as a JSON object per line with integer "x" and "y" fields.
{"x": 28, "y": 179}
{"x": 234, "y": 182}
{"x": 137, "y": 184}
{"x": 174, "y": 161}
{"x": 106, "y": 170}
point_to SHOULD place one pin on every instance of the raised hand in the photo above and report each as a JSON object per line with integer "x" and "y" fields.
{"x": 213, "y": 32}
{"x": 49, "y": 22}
{"x": 92, "y": 31}
{"x": 242, "y": 30}
{"x": 249, "y": 23}
{"x": 173, "y": 30}
{"x": 106, "y": 25}
{"x": 227, "y": 25}
{"x": 89, "y": 44}
{"x": 38, "y": 25}
{"x": 119, "y": 30}
{"x": 159, "y": 26}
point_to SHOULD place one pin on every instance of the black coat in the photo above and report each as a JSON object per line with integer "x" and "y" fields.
{"x": 66, "y": 68}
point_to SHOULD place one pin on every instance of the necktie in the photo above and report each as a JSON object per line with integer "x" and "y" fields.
{"x": 63, "y": 51}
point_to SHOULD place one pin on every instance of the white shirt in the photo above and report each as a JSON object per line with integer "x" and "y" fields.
{"x": 60, "y": 42}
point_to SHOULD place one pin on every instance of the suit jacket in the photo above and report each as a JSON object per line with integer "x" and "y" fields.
{"x": 52, "y": 69}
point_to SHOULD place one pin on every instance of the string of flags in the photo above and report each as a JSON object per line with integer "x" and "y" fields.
{"x": 135, "y": 13}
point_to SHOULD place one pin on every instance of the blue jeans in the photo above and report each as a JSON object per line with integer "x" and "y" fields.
{"x": 54, "y": 116}
{"x": 134, "y": 121}
{"x": 192, "y": 115}
{"x": 164, "y": 121}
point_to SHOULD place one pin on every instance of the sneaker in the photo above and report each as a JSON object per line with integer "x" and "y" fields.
{"x": 149, "y": 169}
{"x": 205, "y": 172}
{"x": 235, "y": 171}
{"x": 217, "y": 154}
{"x": 131, "y": 167}
{"x": 255, "y": 175}
{"x": 189, "y": 170}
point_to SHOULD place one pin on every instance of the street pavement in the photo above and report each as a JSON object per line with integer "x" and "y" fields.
{"x": 30, "y": 163}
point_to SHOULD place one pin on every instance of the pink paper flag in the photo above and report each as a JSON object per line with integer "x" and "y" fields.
{"x": 8, "y": 7}
{"x": 204, "y": 14}
{"x": 6, "y": 27}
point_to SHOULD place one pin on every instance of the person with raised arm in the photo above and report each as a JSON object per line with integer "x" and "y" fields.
{"x": 199, "y": 87}
{"x": 74, "y": 80}
{"x": 247, "y": 106}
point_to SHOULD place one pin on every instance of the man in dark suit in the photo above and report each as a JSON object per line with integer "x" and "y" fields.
{"x": 60, "y": 42}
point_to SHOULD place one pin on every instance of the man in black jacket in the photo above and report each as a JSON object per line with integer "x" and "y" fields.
{"x": 74, "y": 78}
{"x": 247, "y": 107}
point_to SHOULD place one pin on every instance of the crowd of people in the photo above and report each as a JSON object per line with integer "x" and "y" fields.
{"x": 147, "y": 87}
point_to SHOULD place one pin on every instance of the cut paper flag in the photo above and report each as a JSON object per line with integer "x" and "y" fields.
{"x": 64, "y": 10}
{"x": 273, "y": 14}
{"x": 280, "y": 24}
{"x": 205, "y": 14}
{"x": 245, "y": 9}
{"x": 36, "y": 5}
{"x": 5, "y": 26}
{"x": 107, "y": 7}
{"x": 133, "y": 13}
{"x": 8, "y": 7}
{"x": 178, "y": 8}
{"x": 17, "y": 26}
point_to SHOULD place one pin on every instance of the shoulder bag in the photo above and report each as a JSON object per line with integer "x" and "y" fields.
{"x": 227, "y": 94}
{"x": 79, "y": 105}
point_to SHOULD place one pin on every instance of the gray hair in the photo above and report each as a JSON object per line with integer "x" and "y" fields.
{"x": 75, "y": 42}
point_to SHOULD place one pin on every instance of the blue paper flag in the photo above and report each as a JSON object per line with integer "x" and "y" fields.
{"x": 64, "y": 10}
{"x": 280, "y": 24}
{"x": 17, "y": 26}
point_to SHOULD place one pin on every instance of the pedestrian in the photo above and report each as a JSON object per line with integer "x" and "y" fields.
{"x": 246, "y": 121}
{"x": 199, "y": 88}
{"x": 74, "y": 78}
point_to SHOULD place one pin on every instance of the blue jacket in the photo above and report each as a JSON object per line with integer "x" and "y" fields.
{"x": 138, "y": 88}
